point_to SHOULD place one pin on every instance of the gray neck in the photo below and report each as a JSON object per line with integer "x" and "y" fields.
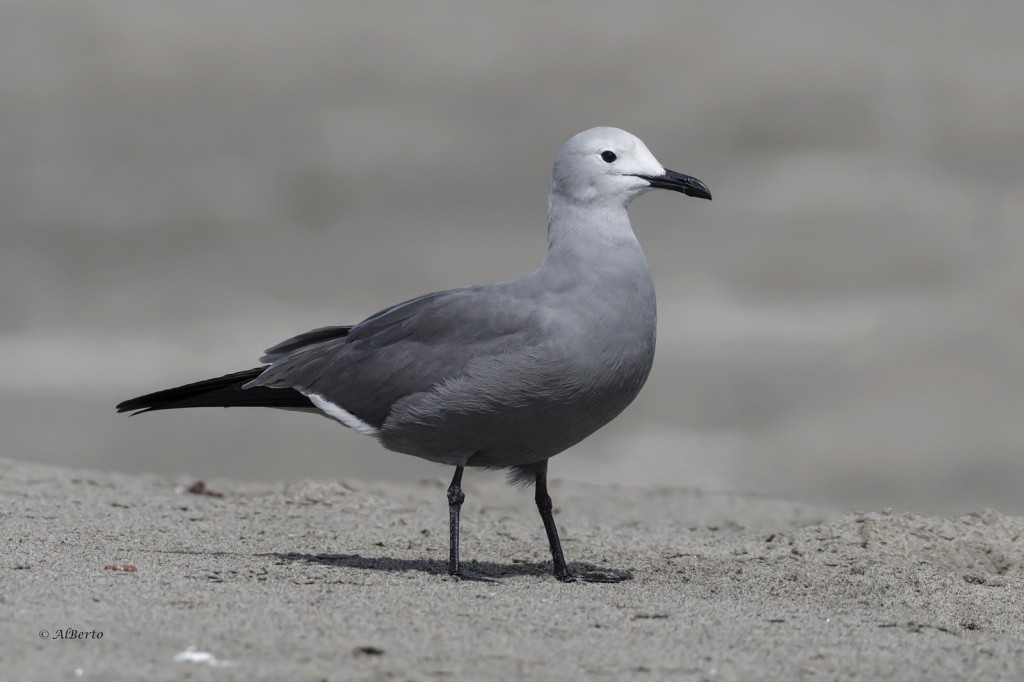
{"x": 593, "y": 237}
{"x": 596, "y": 267}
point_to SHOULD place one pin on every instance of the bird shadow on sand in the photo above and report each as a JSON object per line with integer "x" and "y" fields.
{"x": 486, "y": 570}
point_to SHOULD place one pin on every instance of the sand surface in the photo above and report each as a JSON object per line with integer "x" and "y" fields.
{"x": 342, "y": 580}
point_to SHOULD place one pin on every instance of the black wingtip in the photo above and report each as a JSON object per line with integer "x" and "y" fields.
{"x": 225, "y": 391}
{"x": 134, "y": 409}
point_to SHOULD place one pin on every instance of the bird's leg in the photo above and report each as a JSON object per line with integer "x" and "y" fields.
{"x": 455, "y": 499}
{"x": 561, "y": 570}
{"x": 544, "y": 506}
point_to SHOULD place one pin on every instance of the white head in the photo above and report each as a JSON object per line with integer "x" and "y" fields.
{"x": 609, "y": 165}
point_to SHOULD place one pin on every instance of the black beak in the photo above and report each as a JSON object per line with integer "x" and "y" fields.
{"x": 679, "y": 183}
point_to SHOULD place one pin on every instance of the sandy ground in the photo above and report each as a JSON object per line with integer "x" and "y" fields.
{"x": 326, "y": 580}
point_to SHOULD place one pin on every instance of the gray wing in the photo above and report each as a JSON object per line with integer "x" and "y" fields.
{"x": 402, "y": 350}
{"x": 315, "y": 337}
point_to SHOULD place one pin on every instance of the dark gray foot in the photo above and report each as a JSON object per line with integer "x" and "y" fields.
{"x": 591, "y": 577}
{"x": 462, "y": 576}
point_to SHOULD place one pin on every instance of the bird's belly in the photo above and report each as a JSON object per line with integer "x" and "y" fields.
{"x": 530, "y": 415}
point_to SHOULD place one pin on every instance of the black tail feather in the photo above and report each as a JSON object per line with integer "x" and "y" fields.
{"x": 225, "y": 391}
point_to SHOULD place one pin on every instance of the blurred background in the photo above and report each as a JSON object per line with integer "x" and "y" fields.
{"x": 185, "y": 184}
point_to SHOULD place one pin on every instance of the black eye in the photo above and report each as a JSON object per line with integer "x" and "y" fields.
{"x": 608, "y": 157}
